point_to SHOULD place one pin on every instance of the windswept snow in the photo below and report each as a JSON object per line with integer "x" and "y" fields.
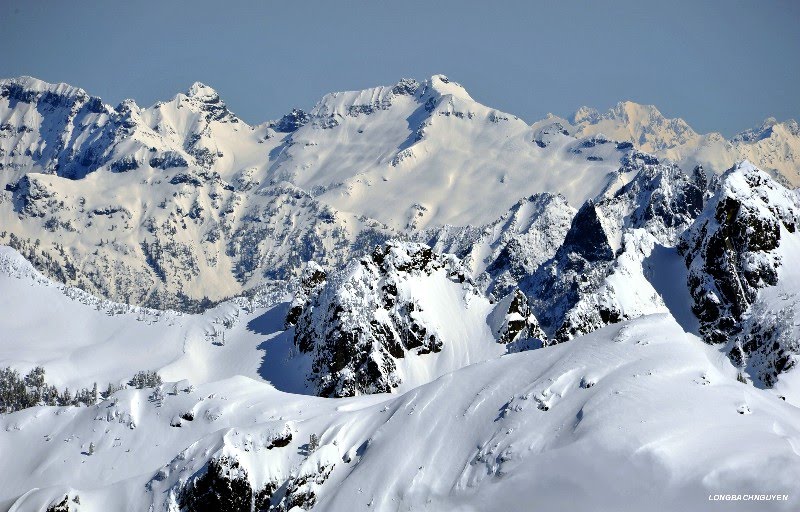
{"x": 636, "y": 415}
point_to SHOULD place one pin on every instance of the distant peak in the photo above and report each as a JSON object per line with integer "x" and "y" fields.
{"x": 367, "y": 101}
{"x": 764, "y": 131}
{"x": 29, "y": 83}
{"x": 623, "y": 111}
{"x": 628, "y": 107}
{"x": 444, "y": 86}
{"x": 792, "y": 126}
{"x": 585, "y": 114}
{"x": 202, "y": 92}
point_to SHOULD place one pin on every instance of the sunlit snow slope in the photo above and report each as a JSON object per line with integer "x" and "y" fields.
{"x": 637, "y": 415}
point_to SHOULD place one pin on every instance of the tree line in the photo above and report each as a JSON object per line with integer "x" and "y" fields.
{"x": 20, "y": 392}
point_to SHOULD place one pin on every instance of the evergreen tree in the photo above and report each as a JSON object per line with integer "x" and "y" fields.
{"x": 34, "y": 381}
{"x": 65, "y": 398}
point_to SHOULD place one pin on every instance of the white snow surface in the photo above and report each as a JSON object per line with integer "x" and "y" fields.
{"x": 635, "y": 416}
{"x": 80, "y": 339}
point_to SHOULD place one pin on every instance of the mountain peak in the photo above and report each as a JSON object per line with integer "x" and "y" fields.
{"x": 34, "y": 87}
{"x": 585, "y": 114}
{"x": 631, "y": 110}
{"x": 365, "y": 101}
{"x": 203, "y": 93}
{"x": 640, "y": 124}
{"x": 444, "y": 86}
{"x": 761, "y": 132}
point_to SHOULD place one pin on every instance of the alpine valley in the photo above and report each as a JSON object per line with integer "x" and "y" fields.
{"x": 400, "y": 299}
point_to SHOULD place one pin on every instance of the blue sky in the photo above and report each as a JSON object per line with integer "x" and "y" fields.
{"x": 721, "y": 65}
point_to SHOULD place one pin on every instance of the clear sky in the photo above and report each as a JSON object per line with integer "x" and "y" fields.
{"x": 721, "y": 65}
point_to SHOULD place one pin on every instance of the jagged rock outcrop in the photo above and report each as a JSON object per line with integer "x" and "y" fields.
{"x": 511, "y": 247}
{"x": 733, "y": 251}
{"x": 514, "y": 321}
{"x": 365, "y": 319}
{"x": 578, "y": 268}
{"x": 573, "y": 293}
{"x": 222, "y": 487}
{"x": 310, "y": 281}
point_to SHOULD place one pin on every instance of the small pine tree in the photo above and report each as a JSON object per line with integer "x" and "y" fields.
{"x": 157, "y": 396}
{"x": 12, "y": 391}
{"x": 34, "y": 381}
{"x": 313, "y": 443}
{"x": 52, "y": 396}
{"x": 65, "y": 398}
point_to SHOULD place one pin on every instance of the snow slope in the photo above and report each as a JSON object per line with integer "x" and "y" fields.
{"x": 80, "y": 339}
{"x": 427, "y": 154}
{"x": 607, "y": 422}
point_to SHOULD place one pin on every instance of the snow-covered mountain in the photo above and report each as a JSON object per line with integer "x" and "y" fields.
{"x": 280, "y": 312}
{"x": 182, "y": 204}
{"x": 774, "y": 146}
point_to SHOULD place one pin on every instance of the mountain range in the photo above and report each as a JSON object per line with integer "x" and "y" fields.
{"x": 605, "y": 304}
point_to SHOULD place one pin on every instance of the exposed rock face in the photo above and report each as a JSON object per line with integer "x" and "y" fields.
{"x": 232, "y": 481}
{"x": 361, "y": 322}
{"x": 515, "y": 320}
{"x": 732, "y": 252}
{"x": 768, "y": 344}
{"x": 301, "y": 489}
{"x": 572, "y": 294}
{"x": 61, "y": 506}
{"x": 292, "y": 121}
{"x": 661, "y": 199}
{"x": 513, "y": 246}
{"x": 311, "y": 280}
{"x": 223, "y": 487}
{"x": 587, "y": 237}
{"x": 578, "y": 268}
